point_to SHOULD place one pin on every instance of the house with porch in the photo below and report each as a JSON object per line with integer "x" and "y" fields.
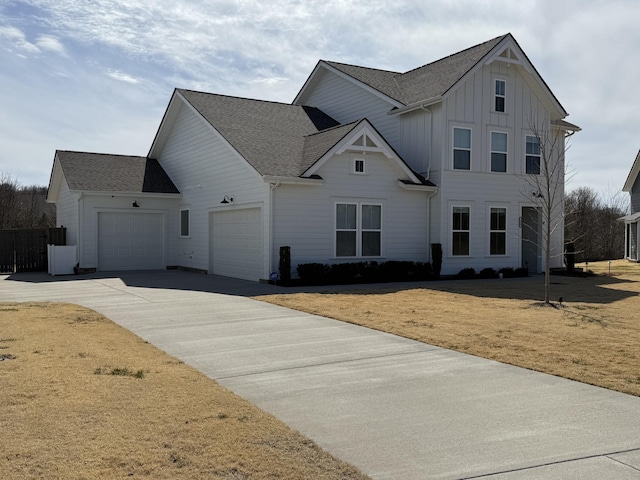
{"x": 632, "y": 221}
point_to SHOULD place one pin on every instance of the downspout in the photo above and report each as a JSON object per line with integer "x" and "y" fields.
{"x": 80, "y": 233}
{"x": 429, "y": 195}
{"x": 272, "y": 187}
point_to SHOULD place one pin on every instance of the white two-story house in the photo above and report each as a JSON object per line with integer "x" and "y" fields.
{"x": 365, "y": 164}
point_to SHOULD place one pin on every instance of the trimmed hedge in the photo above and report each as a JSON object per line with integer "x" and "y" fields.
{"x": 363, "y": 272}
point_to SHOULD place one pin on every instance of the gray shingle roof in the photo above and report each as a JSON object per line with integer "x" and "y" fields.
{"x": 429, "y": 81}
{"x": 101, "y": 172}
{"x": 269, "y": 135}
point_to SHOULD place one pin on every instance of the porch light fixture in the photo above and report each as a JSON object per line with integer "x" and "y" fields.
{"x": 227, "y": 199}
{"x": 135, "y": 204}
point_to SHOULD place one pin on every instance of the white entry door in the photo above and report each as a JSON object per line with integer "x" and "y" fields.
{"x": 130, "y": 241}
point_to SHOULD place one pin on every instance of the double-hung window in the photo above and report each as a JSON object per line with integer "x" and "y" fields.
{"x": 500, "y": 95}
{"x": 498, "y": 231}
{"x": 462, "y": 148}
{"x": 358, "y": 230}
{"x": 532, "y": 160}
{"x": 460, "y": 231}
{"x": 498, "y": 152}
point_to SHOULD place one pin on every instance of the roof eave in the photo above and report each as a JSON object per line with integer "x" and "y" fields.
{"x": 633, "y": 174}
{"x": 416, "y": 106}
{"x": 284, "y": 180}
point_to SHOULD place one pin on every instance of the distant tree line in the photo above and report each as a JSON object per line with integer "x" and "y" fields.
{"x": 592, "y": 225}
{"x": 24, "y": 206}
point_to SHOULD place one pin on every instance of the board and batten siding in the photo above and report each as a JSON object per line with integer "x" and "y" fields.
{"x": 304, "y": 217}
{"x": 345, "y": 102}
{"x": 470, "y": 105}
{"x": 205, "y": 169}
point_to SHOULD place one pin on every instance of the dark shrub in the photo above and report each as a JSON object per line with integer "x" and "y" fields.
{"x": 521, "y": 272}
{"x": 345, "y": 273}
{"x": 488, "y": 273}
{"x": 507, "y": 272}
{"x": 313, "y": 273}
{"x": 466, "y": 273}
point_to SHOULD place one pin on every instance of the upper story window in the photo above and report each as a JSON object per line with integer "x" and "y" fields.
{"x": 358, "y": 165}
{"x": 500, "y": 95}
{"x": 462, "y": 148}
{"x": 532, "y": 156}
{"x": 184, "y": 222}
{"x": 498, "y": 152}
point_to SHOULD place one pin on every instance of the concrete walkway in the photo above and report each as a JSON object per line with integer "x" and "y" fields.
{"x": 395, "y": 408}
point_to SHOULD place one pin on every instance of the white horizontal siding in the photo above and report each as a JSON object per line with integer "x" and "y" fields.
{"x": 304, "y": 215}
{"x": 67, "y": 212}
{"x": 205, "y": 169}
{"x": 347, "y": 102}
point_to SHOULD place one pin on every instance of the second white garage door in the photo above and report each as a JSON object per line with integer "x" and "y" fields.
{"x": 236, "y": 243}
{"x": 130, "y": 241}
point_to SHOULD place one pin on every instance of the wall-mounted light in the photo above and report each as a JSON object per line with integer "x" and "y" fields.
{"x": 227, "y": 199}
{"x": 135, "y": 204}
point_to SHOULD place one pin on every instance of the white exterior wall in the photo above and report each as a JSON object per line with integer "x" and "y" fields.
{"x": 471, "y": 106}
{"x": 205, "y": 169}
{"x": 346, "y": 102}
{"x": 67, "y": 212}
{"x": 304, "y": 215}
{"x": 90, "y": 205}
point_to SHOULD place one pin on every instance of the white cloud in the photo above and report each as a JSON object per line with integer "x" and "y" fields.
{"x": 52, "y": 44}
{"x": 122, "y": 77}
{"x": 18, "y": 39}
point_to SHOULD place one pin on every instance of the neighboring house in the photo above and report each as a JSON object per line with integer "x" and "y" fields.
{"x": 365, "y": 164}
{"x": 632, "y": 221}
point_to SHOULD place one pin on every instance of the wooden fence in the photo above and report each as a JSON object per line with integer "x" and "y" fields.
{"x": 25, "y": 249}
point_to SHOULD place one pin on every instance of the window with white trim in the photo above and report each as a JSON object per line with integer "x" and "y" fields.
{"x": 184, "y": 222}
{"x": 498, "y": 231}
{"x": 358, "y": 165}
{"x": 461, "y": 148}
{"x": 500, "y": 95}
{"x": 532, "y": 155}
{"x": 358, "y": 230}
{"x": 499, "y": 151}
{"x": 460, "y": 231}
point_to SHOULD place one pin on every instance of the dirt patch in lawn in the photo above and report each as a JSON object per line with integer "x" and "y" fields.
{"x": 592, "y": 336}
{"x": 83, "y": 398}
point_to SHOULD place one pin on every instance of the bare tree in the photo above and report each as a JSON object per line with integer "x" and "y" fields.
{"x": 24, "y": 206}
{"x": 545, "y": 180}
{"x": 592, "y": 223}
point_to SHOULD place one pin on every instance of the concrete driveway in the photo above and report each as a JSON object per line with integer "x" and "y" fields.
{"x": 395, "y": 408}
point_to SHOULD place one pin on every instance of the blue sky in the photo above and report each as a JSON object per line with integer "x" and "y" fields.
{"x": 96, "y": 75}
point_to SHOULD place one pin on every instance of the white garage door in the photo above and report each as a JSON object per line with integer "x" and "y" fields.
{"x": 130, "y": 241}
{"x": 236, "y": 243}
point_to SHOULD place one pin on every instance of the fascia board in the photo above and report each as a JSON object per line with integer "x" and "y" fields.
{"x": 633, "y": 174}
{"x": 168, "y": 117}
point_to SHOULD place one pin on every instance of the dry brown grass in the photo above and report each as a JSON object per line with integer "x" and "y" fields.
{"x": 64, "y": 413}
{"x": 593, "y": 337}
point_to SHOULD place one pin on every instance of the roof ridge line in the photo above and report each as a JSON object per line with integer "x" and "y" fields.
{"x": 274, "y": 102}
{"x": 456, "y": 53}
